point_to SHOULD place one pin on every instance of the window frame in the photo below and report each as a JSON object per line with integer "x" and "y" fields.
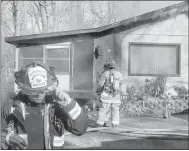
{"x": 178, "y": 58}
{"x": 57, "y": 47}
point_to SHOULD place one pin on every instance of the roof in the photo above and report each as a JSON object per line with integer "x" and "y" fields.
{"x": 65, "y": 36}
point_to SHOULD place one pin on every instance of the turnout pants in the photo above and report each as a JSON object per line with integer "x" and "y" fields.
{"x": 109, "y": 110}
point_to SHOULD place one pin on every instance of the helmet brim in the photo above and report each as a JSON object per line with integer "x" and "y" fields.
{"x": 30, "y": 91}
{"x": 33, "y": 92}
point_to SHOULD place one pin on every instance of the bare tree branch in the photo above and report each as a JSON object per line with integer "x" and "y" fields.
{"x": 9, "y": 28}
{"x": 37, "y": 22}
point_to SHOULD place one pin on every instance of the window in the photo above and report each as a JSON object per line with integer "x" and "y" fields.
{"x": 30, "y": 54}
{"x": 57, "y": 56}
{"x": 154, "y": 59}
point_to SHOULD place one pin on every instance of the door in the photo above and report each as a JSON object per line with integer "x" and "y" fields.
{"x": 83, "y": 65}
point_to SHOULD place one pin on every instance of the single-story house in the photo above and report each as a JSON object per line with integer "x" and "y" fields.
{"x": 144, "y": 46}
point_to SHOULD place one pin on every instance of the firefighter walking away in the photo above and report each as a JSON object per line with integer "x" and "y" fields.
{"x": 109, "y": 89}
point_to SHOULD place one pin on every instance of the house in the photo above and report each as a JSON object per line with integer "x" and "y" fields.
{"x": 144, "y": 46}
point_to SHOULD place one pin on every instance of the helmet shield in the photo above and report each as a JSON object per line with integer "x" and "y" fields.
{"x": 35, "y": 78}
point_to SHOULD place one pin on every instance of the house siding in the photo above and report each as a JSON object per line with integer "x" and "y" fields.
{"x": 173, "y": 31}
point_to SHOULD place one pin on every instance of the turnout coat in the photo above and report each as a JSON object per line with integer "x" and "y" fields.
{"x": 55, "y": 118}
{"x": 104, "y": 86}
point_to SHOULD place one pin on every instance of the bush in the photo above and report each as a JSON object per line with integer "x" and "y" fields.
{"x": 131, "y": 93}
{"x": 156, "y": 86}
{"x": 151, "y": 100}
{"x": 181, "y": 90}
{"x": 154, "y": 107}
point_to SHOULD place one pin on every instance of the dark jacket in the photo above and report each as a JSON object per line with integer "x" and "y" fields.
{"x": 56, "y": 119}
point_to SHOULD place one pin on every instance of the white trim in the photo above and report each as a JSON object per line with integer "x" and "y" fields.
{"x": 48, "y": 106}
{"x": 100, "y": 122}
{"x": 16, "y": 66}
{"x": 16, "y": 58}
{"x": 56, "y": 47}
{"x": 23, "y": 110}
{"x": 12, "y": 109}
{"x": 74, "y": 113}
{"x": 58, "y": 141}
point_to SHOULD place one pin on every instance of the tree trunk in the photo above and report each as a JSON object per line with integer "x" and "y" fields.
{"x": 109, "y": 12}
{"x": 72, "y": 15}
{"x": 25, "y": 18}
{"x": 96, "y": 14}
{"x": 77, "y": 16}
{"x": 16, "y": 17}
{"x": 37, "y": 22}
{"x": 1, "y": 41}
{"x": 42, "y": 7}
{"x": 53, "y": 4}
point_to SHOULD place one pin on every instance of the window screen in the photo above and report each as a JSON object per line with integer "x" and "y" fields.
{"x": 59, "y": 59}
{"x": 154, "y": 59}
{"x": 30, "y": 54}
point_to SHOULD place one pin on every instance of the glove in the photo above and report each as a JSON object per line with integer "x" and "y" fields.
{"x": 61, "y": 97}
{"x": 15, "y": 141}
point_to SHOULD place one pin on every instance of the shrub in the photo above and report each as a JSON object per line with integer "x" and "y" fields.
{"x": 131, "y": 93}
{"x": 181, "y": 90}
{"x": 156, "y": 86}
{"x": 154, "y": 99}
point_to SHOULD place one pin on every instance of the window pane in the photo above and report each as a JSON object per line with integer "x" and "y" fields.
{"x": 153, "y": 59}
{"x": 31, "y": 52}
{"x": 59, "y": 65}
{"x": 58, "y": 53}
{"x": 24, "y": 62}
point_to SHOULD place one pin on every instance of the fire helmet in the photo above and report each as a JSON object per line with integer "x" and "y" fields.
{"x": 109, "y": 64}
{"x": 35, "y": 77}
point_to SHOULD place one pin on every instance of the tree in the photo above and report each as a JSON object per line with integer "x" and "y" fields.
{"x": 42, "y": 12}
{"x": 0, "y": 52}
{"x": 7, "y": 59}
{"x": 16, "y": 17}
{"x": 104, "y": 12}
{"x": 54, "y": 16}
{"x": 77, "y": 15}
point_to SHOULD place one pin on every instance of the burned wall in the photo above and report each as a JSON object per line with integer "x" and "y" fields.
{"x": 107, "y": 44}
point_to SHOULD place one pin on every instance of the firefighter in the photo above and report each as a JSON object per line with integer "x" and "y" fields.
{"x": 40, "y": 112}
{"x": 109, "y": 85}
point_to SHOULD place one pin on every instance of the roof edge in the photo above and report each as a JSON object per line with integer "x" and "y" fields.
{"x": 150, "y": 16}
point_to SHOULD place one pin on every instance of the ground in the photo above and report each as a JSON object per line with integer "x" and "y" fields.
{"x": 101, "y": 140}
{"x": 97, "y": 140}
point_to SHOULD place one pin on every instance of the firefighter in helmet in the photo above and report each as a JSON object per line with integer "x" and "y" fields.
{"x": 40, "y": 112}
{"x": 109, "y": 83}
